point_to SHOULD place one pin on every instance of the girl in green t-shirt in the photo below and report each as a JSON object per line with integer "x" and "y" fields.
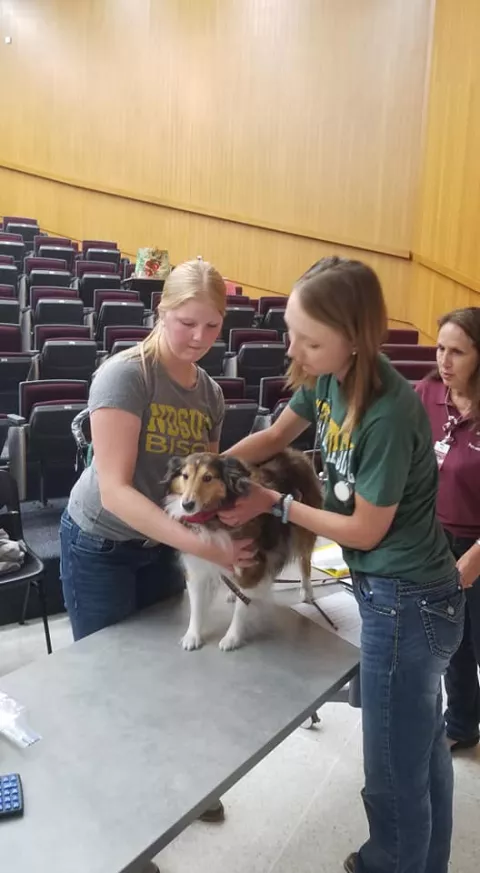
{"x": 381, "y": 472}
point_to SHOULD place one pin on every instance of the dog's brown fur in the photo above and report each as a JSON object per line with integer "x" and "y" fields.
{"x": 214, "y": 482}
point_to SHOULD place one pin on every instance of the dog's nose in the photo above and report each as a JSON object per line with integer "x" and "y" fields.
{"x": 188, "y": 505}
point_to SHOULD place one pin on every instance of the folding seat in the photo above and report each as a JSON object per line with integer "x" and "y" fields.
{"x": 15, "y": 366}
{"x": 109, "y": 295}
{"x": 9, "y": 311}
{"x": 402, "y": 335}
{"x": 122, "y": 346}
{"x": 118, "y": 312}
{"x": 9, "y": 274}
{"x": 26, "y": 230}
{"x": 409, "y": 352}
{"x": 413, "y": 370}
{"x": 238, "y": 422}
{"x": 13, "y": 247}
{"x": 213, "y": 361}
{"x": 239, "y": 336}
{"x": 155, "y": 298}
{"x": 66, "y": 253}
{"x": 128, "y": 269}
{"x": 91, "y": 277}
{"x": 17, "y": 219}
{"x": 66, "y": 359}
{"x": 269, "y": 302}
{"x": 237, "y": 316}
{"x": 273, "y": 390}
{"x": 109, "y": 255}
{"x": 43, "y": 271}
{"x": 232, "y": 389}
{"x": 254, "y": 361}
{"x": 43, "y": 239}
{"x": 7, "y": 259}
{"x": 58, "y": 310}
{"x": 41, "y": 449}
{"x": 44, "y": 332}
{"x": 144, "y": 287}
{"x": 275, "y": 320}
{"x": 8, "y": 291}
{"x": 114, "y": 333}
{"x": 45, "y": 292}
{"x": 97, "y": 244}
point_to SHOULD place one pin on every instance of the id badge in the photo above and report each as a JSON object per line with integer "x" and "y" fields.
{"x": 441, "y": 449}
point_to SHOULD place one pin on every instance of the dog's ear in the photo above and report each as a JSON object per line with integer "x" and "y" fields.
{"x": 236, "y": 476}
{"x": 174, "y": 468}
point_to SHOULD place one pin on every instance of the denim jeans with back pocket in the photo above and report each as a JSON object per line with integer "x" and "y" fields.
{"x": 409, "y": 633}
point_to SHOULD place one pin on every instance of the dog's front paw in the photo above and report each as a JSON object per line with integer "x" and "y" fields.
{"x": 307, "y": 595}
{"x": 192, "y": 641}
{"x": 230, "y": 642}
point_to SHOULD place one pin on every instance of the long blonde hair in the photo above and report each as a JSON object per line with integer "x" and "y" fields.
{"x": 347, "y": 296}
{"x": 192, "y": 280}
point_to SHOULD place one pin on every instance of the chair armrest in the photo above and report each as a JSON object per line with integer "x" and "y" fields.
{"x": 262, "y": 421}
{"x": 16, "y": 420}
{"x": 230, "y": 366}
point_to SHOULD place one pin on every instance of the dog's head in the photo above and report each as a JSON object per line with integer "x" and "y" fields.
{"x": 206, "y": 481}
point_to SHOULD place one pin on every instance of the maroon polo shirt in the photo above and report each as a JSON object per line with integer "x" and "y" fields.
{"x": 458, "y": 501}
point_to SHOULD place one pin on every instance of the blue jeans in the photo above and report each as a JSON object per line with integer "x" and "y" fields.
{"x": 409, "y": 633}
{"x": 462, "y": 716}
{"x": 105, "y": 581}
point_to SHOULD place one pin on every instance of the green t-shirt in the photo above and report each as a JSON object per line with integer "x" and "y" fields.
{"x": 387, "y": 459}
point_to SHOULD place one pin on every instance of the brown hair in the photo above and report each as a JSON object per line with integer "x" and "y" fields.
{"x": 468, "y": 320}
{"x": 347, "y": 296}
{"x": 192, "y": 280}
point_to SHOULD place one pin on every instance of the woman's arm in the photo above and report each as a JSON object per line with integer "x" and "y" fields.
{"x": 115, "y": 436}
{"x": 265, "y": 444}
{"x": 469, "y": 565}
{"x": 363, "y": 530}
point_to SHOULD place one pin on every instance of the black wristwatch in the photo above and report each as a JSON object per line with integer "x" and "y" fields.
{"x": 281, "y": 509}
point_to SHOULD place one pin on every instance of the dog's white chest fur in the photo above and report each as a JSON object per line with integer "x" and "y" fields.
{"x": 203, "y": 582}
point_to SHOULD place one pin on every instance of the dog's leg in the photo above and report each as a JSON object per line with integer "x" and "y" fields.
{"x": 246, "y": 618}
{"x": 200, "y": 588}
{"x": 306, "y": 583}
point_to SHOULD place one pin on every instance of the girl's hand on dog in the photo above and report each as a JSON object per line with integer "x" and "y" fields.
{"x": 235, "y": 553}
{"x": 258, "y": 501}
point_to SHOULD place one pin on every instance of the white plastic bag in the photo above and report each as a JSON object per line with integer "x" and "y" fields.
{"x": 13, "y": 724}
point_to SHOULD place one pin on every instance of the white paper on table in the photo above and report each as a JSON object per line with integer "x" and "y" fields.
{"x": 330, "y": 558}
{"x": 342, "y": 608}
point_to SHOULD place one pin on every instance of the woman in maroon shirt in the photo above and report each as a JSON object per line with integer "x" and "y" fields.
{"x": 451, "y": 397}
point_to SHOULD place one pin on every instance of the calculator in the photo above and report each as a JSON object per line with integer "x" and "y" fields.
{"x": 11, "y": 795}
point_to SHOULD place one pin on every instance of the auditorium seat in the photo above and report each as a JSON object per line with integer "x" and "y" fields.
{"x": 114, "y": 333}
{"x": 239, "y": 336}
{"x": 7, "y": 259}
{"x": 8, "y": 291}
{"x": 44, "y": 332}
{"x": 17, "y": 219}
{"x": 396, "y": 335}
{"x": 14, "y": 248}
{"x": 409, "y": 352}
{"x": 15, "y": 367}
{"x": 41, "y": 450}
{"x": 273, "y": 390}
{"x": 66, "y": 359}
{"x": 113, "y": 312}
{"x": 232, "y": 389}
{"x": 213, "y": 361}
{"x": 239, "y": 301}
{"x": 274, "y": 319}
{"x": 237, "y": 316}
{"x": 97, "y": 244}
{"x": 238, "y": 422}
{"x": 269, "y": 302}
{"x": 88, "y": 282}
{"x": 9, "y": 311}
{"x": 26, "y": 230}
{"x": 104, "y": 255}
{"x": 413, "y": 370}
{"x": 66, "y": 253}
{"x": 9, "y": 274}
{"x": 254, "y": 361}
{"x": 45, "y": 240}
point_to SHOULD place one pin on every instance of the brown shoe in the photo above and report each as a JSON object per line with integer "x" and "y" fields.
{"x": 151, "y": 868}
{"x": 214, "y": 814}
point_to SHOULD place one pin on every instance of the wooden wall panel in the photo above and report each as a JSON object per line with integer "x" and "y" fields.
{"x": 263, "y": 261}
{"x": 447, "y": 236}
{"x": 300, "y": 116}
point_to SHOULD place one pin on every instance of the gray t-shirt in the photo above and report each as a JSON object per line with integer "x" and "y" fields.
{"x": 175, "y": 421}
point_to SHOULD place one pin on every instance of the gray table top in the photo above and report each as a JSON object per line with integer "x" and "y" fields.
{"x": 138, "y": 736}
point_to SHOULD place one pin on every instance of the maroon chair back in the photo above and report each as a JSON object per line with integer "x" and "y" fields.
{"x": 7, "y": 259}
{"x": 82, "y": 267}
{"x": 18, "y": 219}
{"x": 266, "y": 303}
{"x": 238, "y": 300}
{"x": 7, "y": 291}
{"x": 406, "y": 352}
{"x": 155, "y": 298}
{"x": 40, "y": 292}
{"x": 112, "y": 333}
{"x": 402, "y": 335}
{"x": 10, "y": 338}
{"x": 413, "y": 370}
{"x": 11, "y": 237}
{"x": 129, "y": 269}
{"x": 239, "y": 336}
{"x": 105, "y": 295}
{"x": 44, "y": 332}
{"x": 97, "y": 244}
{"x": 48, "y": 391}
{"x": 33, "y": 263}
{"x": 41, "y": 240}
{"x": 273, "y": 390}
{"x": 232, "y": 389}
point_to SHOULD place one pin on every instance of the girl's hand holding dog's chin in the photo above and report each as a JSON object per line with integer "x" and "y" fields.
{"x": 258, "y": 501}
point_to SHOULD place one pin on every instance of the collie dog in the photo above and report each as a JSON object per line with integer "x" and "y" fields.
{"x": 201, "y": 485}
